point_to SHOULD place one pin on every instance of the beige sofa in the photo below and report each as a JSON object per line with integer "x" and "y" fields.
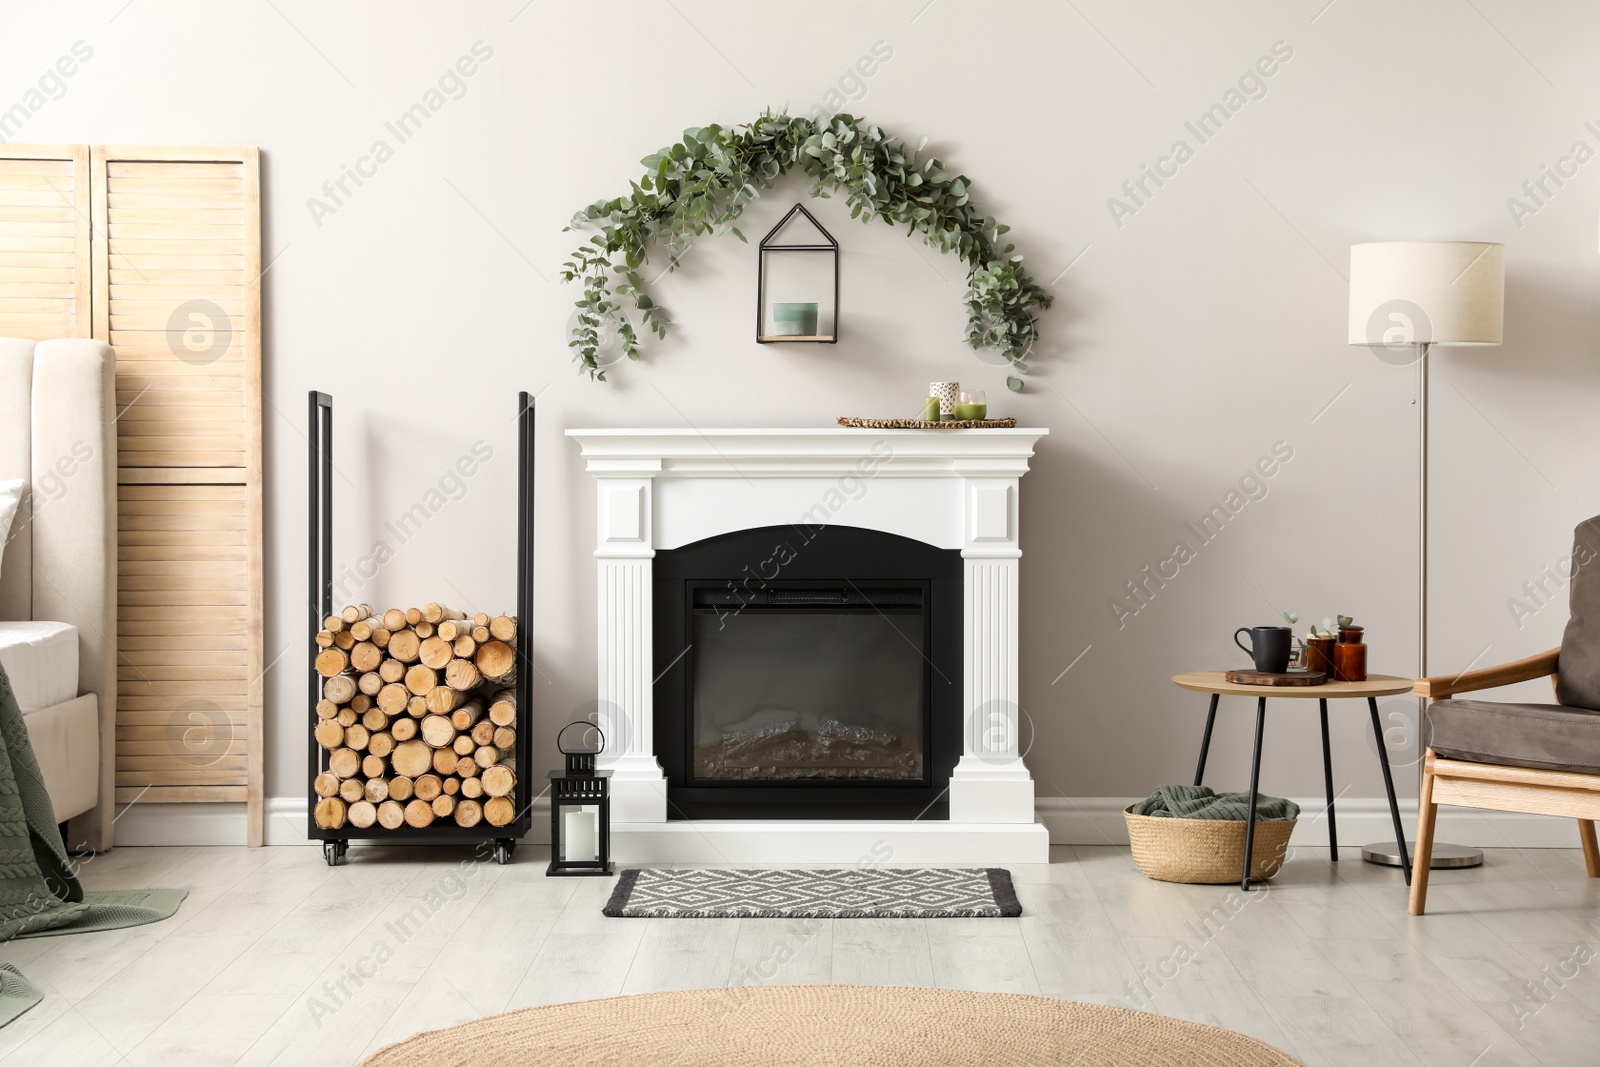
{"x": 58, "y": 432}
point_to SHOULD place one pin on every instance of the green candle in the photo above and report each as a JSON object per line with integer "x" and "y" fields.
{"x": 970, "y": 411}
{"x": 930, "y": 409}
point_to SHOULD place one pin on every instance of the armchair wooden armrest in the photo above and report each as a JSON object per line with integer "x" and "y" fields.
{"x": 1446, "y": 685}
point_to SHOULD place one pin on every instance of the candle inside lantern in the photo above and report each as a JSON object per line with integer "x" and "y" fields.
{"x": 580, "y": 836}
{"x": 794, "y": 320}
{"x": 972, "y": 405}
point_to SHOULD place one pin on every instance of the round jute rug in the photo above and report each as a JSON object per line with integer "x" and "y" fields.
{"x": 841, "y": 1026}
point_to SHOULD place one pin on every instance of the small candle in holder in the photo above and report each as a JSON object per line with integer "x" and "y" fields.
{"x": 930, "y": 409}
{"x": 972, "y": 405}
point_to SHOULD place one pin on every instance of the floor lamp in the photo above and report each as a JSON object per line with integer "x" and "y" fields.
{"x": 1405, "y": 298}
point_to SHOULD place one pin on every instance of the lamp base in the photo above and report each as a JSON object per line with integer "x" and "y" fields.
{"x": 1445, "y": 856}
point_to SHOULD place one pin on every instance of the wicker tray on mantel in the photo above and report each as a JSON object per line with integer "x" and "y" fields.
{"x": 924, "y": 424}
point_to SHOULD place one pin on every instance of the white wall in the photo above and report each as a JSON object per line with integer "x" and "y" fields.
{"x": 1184, "y": 343}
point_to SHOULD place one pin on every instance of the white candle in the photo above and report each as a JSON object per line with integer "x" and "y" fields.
{"x": 580, "y": 834}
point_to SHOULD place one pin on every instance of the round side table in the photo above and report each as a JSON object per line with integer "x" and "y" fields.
{"x": 1377, "y": 685}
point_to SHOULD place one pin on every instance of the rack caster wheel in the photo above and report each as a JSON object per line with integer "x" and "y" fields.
{"x": 503, "y": 850}
{"x": 333, "y": 852}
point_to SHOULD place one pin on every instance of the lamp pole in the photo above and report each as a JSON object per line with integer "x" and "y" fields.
{"x": 1422, "y": 527}
{"x": 1387, "y": 853}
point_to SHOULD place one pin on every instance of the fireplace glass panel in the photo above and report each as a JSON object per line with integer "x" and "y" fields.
{"x": 823, "y": 693}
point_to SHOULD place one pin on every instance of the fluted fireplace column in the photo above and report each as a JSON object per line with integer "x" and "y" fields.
{"x": 624, "y": 620}
{"x": 990, "y": 783}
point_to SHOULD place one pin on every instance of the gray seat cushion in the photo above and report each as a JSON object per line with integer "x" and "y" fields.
{"x": 1546, "y": 736}
{"x": 1578, "y": 681}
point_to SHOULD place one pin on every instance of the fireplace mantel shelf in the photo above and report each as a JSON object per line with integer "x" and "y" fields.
{"x": 738, "y": 453}
{"x": 661, "y": 489}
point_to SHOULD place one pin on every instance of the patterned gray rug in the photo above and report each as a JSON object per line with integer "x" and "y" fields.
{"x": 824, "y": 893}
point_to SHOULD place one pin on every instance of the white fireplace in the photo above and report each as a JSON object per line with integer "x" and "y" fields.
{"x": 952, "y": 489}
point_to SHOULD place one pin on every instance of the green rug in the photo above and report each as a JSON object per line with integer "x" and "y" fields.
{"x": 40, "y": 895}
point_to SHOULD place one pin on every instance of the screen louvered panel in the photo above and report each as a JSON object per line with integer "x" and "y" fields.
{"x": 178, "y": 286}
{"x": 44, "y": 242}
{"x": 184, "y": 635}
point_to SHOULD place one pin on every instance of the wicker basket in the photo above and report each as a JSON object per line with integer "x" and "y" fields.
{"x": 1205, "y": 851}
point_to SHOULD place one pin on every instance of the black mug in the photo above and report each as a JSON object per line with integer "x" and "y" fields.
{"x": 1269, "y": 647}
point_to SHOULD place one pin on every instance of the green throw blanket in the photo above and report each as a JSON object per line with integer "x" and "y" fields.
{"x": 1199, "y": 802}
{"x": 39, "y": 890}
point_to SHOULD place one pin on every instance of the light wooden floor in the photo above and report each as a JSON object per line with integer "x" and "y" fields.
{"x": 1325, "y": 965}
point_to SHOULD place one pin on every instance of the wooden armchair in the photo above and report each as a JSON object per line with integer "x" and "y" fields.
{"x": 1541, "y": 759}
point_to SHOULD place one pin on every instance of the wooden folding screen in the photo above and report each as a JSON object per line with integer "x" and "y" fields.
{"x": 166, "y": 266}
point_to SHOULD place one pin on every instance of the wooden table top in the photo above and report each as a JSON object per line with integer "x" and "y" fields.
{"x": 1376, "y": 685}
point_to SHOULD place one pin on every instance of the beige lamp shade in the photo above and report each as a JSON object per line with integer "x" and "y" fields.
{"x": 1427, "y": 292}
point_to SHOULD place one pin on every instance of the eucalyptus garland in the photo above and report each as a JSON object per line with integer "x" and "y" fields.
{"x": 703, "y": 183}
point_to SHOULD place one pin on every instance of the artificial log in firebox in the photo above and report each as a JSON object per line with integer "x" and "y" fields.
{"x": 417, "y": 717}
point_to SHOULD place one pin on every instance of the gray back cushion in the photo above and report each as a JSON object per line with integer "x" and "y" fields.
{"x": 1579, "y": 683}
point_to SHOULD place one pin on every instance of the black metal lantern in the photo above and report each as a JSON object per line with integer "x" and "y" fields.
{"x": 797, "y": 321}
{"x": 580, "y": 805}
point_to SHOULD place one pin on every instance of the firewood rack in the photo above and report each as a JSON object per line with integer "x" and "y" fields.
{"x": 499, "y": 841}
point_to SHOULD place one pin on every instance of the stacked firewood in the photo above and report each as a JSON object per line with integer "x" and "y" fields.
{"x": 418, "y": 717}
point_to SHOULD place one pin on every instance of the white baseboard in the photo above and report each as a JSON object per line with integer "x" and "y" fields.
{"x": 181, "y": 824}
{"x": 1070, "y": 820}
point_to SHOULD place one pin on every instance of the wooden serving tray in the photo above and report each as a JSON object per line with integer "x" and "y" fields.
{"x": 1288, "y": 678}
{"x": 924, "y": 424}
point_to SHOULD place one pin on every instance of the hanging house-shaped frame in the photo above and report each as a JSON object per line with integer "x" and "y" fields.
{"x": 789, "y": 287}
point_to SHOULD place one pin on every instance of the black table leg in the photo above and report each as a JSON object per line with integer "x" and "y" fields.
{"x": 1327, "y": 781}
{"x": 1388, "y": 785}
{"x": 1205, "y": 740}
{"x": 1255, "y": 783}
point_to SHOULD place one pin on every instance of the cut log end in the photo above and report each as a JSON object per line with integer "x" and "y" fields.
{"x": 468, "y": 813}
{"x": 499, "y": 811}
{"x": 331, "y": 662}
{"x": 498, "y": 662}
{"x": 362, "y": 814}
{"x": 419, "y": 814}
{"x": 391, "y": 816}
{"x": 330, "y": 813}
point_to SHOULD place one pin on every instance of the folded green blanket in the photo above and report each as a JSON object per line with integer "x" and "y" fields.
{"x": 40, "y": 895}
{"x": 1199, "y": 802}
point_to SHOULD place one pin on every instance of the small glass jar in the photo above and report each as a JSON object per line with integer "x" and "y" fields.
{"x": 1317, "y": 655}
{"x": 1350, "y": 656}
{"x": 971, "y": 405}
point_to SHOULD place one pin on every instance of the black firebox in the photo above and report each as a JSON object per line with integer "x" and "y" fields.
{"x": 807, "y": 672}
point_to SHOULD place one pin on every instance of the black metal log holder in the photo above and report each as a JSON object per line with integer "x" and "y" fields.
{"x": 502, "y": 839}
